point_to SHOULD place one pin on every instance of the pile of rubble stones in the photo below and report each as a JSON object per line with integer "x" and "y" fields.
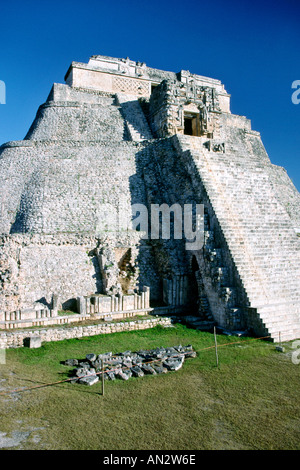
{"x": 128, "y": 364}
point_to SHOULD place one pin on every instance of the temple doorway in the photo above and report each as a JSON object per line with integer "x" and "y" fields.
{"x": 194, "y": 291}
{"x": 191, "y": 124}
{"x": 198, "y": 295}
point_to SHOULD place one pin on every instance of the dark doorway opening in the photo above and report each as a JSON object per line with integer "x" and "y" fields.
{"x": 153, "y": 86}
{"x": 188, "y": 127}
{"x": 194, "y": 291}
{"x": 191, "y": 124}
{"x": 199, "y": 298}
{"x": 195, "y": 265}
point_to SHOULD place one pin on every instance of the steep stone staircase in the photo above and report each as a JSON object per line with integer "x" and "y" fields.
{"x": 135, "y": 119}
{"x": 167, "y": 181}
{"x": 258, "y": 232}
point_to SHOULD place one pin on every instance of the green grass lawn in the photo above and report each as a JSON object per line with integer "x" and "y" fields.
{"x": 250, "y": 402}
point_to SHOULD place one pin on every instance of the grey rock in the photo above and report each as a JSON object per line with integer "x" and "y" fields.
{"x": 171, "y": 352}
{"x": 127, "y": 363}
{"x": 174, "y": 364}
{"x": 147, "y": 369}
{"x": 137, "y": 371}
{"x": 124, "y": 375}
{"x": 190, "y": 354}
{"x": 71, "y": 362}
{"x": 86, "y": 365}
{"x": 126, "y": 353}
{"x": 143, "y": 353}
{"x": 91, "y": 357}
{"x": 109, "y": 375}
{"x": 104, "y": 357}
{"x": 117, "y": 361}
{"x": 82, "y": 371}
{"x": 160, "y": 369}
{"x": 158, "y": 353}
{"x": 137, "y": 361}
{"x": 97, "y": 364}
{"x": 90, "y": 380}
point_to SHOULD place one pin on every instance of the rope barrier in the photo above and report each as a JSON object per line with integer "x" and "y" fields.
{"x": 118, "y": 368}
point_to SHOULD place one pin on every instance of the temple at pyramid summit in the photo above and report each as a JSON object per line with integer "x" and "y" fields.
{"x": 114, "y": 141}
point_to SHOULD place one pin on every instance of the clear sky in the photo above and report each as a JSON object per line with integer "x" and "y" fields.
{"x": 253, "y": 47}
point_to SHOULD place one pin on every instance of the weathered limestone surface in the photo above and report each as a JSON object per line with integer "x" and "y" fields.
{"x": 120, "y": 133}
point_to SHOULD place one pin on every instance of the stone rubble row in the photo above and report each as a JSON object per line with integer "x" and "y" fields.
{"x": 128, "y": 364}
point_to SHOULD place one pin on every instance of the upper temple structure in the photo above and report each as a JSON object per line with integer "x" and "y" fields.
{"x": 118, "y": 137}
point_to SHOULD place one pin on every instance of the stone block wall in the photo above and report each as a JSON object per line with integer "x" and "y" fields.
{"x": 15, "y": 339}
{"x": 34, "y": 267}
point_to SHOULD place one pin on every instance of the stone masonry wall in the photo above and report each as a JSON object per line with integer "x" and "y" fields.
{"x": 35, "y": 267}
{"x": 15, "y": 339}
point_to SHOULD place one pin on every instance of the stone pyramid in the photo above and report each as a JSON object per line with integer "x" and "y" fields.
{"x": 120, "y": 135}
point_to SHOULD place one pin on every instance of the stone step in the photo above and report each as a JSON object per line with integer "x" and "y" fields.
{"x": 285, "y": 317}
{"x": 258, "y": 232}
{"x": 137, "y": 125}
{"x": 280, "y": 317}
{"x": 281, "y": 327}
{"x": 289, "y": 335}
{"x": 198, "y": 324}
{"x": 275, "y": 307}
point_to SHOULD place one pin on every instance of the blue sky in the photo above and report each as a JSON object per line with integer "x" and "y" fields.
{"x": 253, "y": 47}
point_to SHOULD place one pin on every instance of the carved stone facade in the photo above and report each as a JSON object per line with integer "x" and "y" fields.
{"x": 184, "y": 108}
